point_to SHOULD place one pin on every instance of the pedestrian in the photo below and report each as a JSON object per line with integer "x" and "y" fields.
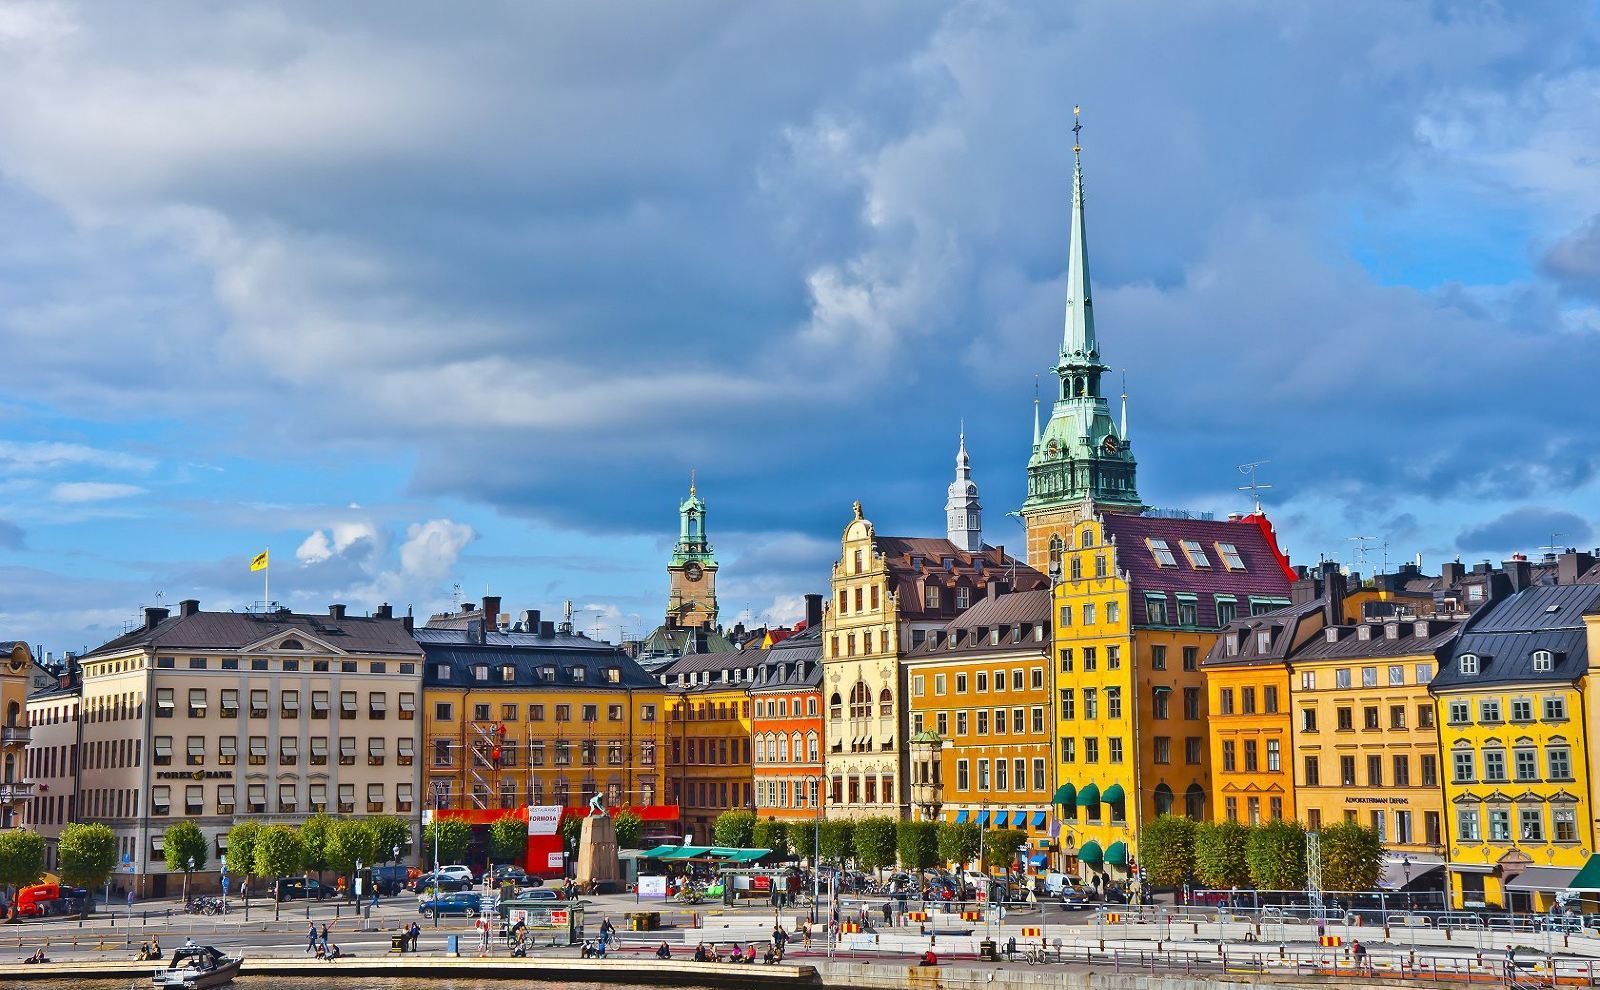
{"x": 324, "y": 933}
{"x": 311, "y": 938}
{"x": 888, "y": 912}
{"x": 1511, "y": 962}
{"x": 805, "y": 933}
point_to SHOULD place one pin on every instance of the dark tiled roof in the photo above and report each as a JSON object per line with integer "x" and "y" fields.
{"x": 792, "y": 664}
{"x": 696, "y": 663}
{"x": 1413, "y": 636}
{"x": 917, "y": 562}
{"x": 1014, "y": 614}
{"x": 1505, "y": 635}
{"x": 526, "y": 654}
{"x": 1244, "y": 635}
{"x": 1265, "y": 572}
{"x": 236, "y": 630}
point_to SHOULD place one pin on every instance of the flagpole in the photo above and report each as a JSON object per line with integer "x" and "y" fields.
{"x": 266, "y": 581}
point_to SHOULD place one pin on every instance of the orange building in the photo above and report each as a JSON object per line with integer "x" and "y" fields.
{"x": 708, "y": 734}
{"x": 786, "y": 724}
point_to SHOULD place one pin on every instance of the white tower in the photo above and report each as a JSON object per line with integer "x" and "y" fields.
{"x": 963, "y": 514}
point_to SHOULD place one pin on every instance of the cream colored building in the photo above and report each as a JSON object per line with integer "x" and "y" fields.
{"x": 52, "y": 761}
{"x": 15, "y": 789}
{"x": 215, "y": 717}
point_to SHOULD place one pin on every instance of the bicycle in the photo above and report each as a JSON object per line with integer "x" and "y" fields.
{"x": 1036, "y": 956}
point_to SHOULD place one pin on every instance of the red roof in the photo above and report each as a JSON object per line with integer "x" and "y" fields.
{"x": 1266, "y": 572}
{"x": 917, "y": 562}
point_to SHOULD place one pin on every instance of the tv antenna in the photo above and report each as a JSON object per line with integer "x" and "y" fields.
{"x": 1363, "y": 550}
{"x": 1254, "y": 487}
{"x": 1556, "y": 547}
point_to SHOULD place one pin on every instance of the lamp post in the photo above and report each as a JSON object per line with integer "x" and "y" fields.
{"x": 188, "y": 870}
{"x": 816, "y": 850}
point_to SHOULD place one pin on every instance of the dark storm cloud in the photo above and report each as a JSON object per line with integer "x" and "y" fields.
{"x": 1526, "y": 529}
{"x": 12, "y": 536}
{"x": 1575, "y": 259}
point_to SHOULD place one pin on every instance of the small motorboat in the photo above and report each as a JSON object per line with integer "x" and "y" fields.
{"x": 197, "y": 967}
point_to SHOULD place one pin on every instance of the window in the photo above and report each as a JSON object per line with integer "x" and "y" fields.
{"x": 1088, "y": 613}
{"x": 1369, "y": 677}
{"x": 1114, "y": 745}
{"x": 1113, "y": 702}
{"x": 1158, "y": 657}
{"x": 1429, "y": 766}
{"x": 1560, "y": 761}
{"x": 1344, "y": 717}
{"x": 1397, "y": 716}
{"x": 1163, "y": 749}
{"x": 1424, "y": 716}
{"x": 1091, "y": 704}
{"x": 1247, "y": 701}
{"x": 1196, "y": 553}
{"x": 1274, "y": 755}
{"x": 1464, "y": 767}
{"x": 1230, "y": 556}
{"x": 1531, "y": 822}
{"x": 164, "y": 703}
{"x": 1308, "y": 720}
{"x": 1191, "y": 703}
{"x": 1525, "y": 763}
{"x": 1347, "y": 771}
{"x": 1229, "y": 755}
{"x": 347, "y": 751}
{"x": 1155, "y": 609}
{"x": 1068, "y": 705}
{"x": 197, "y": 702}
{"x": 1544, "y": 661}
{"x": 1341, "y": 677}
{"x": 1402, "y": 770}
{"x": 1163, "y": 553}
{"x": 1521, "y": 710}
{"x": 163, "y": 751}
{"x": 1489, "y": 710}
{"x": 230, "y": 703}
{"x": 258, "y": 751}
{"x": 1225, "y": 701}
{"x": 1269, "y": 699}
{"x": 228, "y": 751}
{"x": 1091, "y": 750}
{"x": 1460, "y": 712}
{"x": 1313, "y": 772}
{"x": 1467, "y": 825}
{"x": 1227, "y": 611}
{"x": 1467, "y": 663}
{"x": 1188, "y": 613}
{"x": 1566, "y": 824}
{"x": 1494, "y": 765}
{"x": 1191, "y": 658}
{"x": 1161, "y": 701}
{"x": 1555, "y": 708}
{"x": 1250, "y": 755}
{"x": 1091, "y": 658}
{"x": 347, "y": 704}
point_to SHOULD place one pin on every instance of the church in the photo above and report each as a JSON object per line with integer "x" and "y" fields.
{"x": 690, "y": 624}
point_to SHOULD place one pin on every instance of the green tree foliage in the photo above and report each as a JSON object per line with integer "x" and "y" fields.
{"x": 770, "y": 834}
{"x": 734, "y": 829}
{"x": 242, "y": 847}
{"x": 508, "y": 839}
{"x": 918, "y": 845}
{"x": 21, "y": 857}
{"x": 1000, "y": 846}
{"x": 183, "y": 844}
{"x": 630, "y": 830}
{"x": 959, "y": 844}
{"x": 838, "y": 839}
{"x": 1352, "y": 857}
{"x": 1276, "y": 853}
{"x": 314, "y": 834}
{"x": 1167, "y": 850}
{"x": 875, "y": 840}
{"x": 453, "y": 836}
{"x": 278, "y": 853}
{"x": 393, "y": 833}
{"x": 802, "y": 838}
{"x": 349, "y": 841}
{"x": 86, "y": 854}
{"x": 1219, "y": 855}
{"x": 571, "y": 833}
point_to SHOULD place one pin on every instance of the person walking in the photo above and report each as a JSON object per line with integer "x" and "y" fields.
{"x": 311, "y": 938}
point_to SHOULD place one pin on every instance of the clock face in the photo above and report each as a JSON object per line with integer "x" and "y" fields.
{"x": 1109, "y": 445}
{"x": 692, "y": 571}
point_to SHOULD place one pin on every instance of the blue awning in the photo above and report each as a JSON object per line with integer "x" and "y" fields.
{"x": 1038, "y": 819}
{"x": 962, "y": 816}
{"x": 1038, "y": 859}
{"x": 1019, "y": 819}
{"x": 983, "y": 818}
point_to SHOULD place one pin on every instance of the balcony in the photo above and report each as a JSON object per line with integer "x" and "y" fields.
{"x": 15, "y": 792}
{"x": 15, "y": 735}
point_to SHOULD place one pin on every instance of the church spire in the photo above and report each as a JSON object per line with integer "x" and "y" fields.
{"x": 963, "y": 514}
{"x": 1078, "y": 344}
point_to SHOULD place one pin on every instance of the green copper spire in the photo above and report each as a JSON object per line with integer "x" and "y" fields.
{"x": 692, "y": 542}
{"x": 1081, "y": 453}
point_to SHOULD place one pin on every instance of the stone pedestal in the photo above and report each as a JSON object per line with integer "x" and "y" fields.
{"x": 597, "y": 852}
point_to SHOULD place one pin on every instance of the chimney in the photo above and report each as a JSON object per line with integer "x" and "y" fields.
{"x": 466, "y": 607}
{"x": 336, "y": 611}
{"x": 1519, "y": 571}
{"x": 1572, "y": 565}
{"x": 1451, "y": 573}
{"x": 189, "y": 606}
{"x": 813, "y": 611}
{"x": 530, "y": 621}
{"x": 154, "y": 616}
{"x": 547, "y": 630}
{"x": 476, "y": 633}
{"x": 385, "y": 611}
{"x": 1332, "y": 594}
{"x": 406, "y": 621}
{"x": 491, "y": 611}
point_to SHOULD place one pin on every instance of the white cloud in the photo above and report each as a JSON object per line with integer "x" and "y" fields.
{"x": 432, "y": 548}
{"x": 93, "y": 491}
{"x": 29, "y": 457}
{"x": 336, "y": 539}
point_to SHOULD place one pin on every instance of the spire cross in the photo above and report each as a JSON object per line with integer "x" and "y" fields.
{"x": 691, "y": 481}
{"x": 1077, "y": 125}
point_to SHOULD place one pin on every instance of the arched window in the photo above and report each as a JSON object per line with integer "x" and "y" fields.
{"x": 1194, "y": 802}
{"x": 1467, "y": 663}
{"x": 1544, "y": 661}
{"x": 860, "y": 701}
{"x": 291, "y": 644}
{"x": 885, "y": 703}
{"x": 13, "y": 712}
{"x": 811, "y": 746}
{"x": 783, "y": 749}
{"x": 835, "y": 706}
{"x": 1055, "y": 554}
{"x": 1163, "y": 798}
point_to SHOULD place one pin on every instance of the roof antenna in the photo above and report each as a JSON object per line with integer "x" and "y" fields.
{"x": 1254, "y": 487}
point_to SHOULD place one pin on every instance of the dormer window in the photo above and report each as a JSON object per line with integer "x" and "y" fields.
{"x": 576, "y": 673}
{"x": 1230, "y": 556}
{"x": 1163, "y": 553}
{"x": 1544, "y": 661}
{"x": 613, "y": 674}
{"x": 1196, "y": 553}
{"x": 547, "y": 673}
{"x": 1467, "y": 663}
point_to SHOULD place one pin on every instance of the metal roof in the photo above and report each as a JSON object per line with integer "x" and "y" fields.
{"x": 562, "y": 661}
{"x": 237, "y": 630}
{"x": 1505, "y": 634}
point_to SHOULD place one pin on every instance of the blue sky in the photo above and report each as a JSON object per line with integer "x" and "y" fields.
{"x": 421, "y": 300}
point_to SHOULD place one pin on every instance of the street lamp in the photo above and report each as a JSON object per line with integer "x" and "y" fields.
{"x": 186, "y": 873}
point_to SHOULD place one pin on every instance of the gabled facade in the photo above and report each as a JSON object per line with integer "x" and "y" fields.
{"x": 709, "y": 735}
{"x": 16, "y": 668}
{"x": 786, "y": 723}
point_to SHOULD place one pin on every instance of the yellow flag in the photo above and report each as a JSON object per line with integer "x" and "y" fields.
{"x": 259, "y": 561}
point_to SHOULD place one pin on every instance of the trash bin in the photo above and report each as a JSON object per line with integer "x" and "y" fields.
{"x": 397, "y": 942}
{"x": 986, "y": 951}
{"x": 452, "y": 945}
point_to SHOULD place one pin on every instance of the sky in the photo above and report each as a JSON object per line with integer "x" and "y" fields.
{"x": 426, "y": 299}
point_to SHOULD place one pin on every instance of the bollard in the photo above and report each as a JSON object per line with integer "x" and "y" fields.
{"x": 1386, "y": 931}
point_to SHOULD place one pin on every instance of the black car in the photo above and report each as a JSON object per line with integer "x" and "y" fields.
{"x": 506, "y": 871}
{"x": 445, "y": 883}
{"x": 303, "y": 888}
{"x": 466, "y": 904}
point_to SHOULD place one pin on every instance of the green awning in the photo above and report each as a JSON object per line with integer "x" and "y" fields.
{"x": 1113, "y": 794}
{"x": 1088, "y": 796}
{"x": 1064, "y": 795}
{"x": 1090, "y": 853}
{"x": 1116, "y": 853}
{"x": 1588, "y": 878}
{"x": 747, "y": 855}
{"x": 677, "y": 852}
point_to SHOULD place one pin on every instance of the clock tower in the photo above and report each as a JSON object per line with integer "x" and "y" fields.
{"x": 692, "y": 599}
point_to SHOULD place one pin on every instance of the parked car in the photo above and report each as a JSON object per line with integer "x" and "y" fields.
{"x": 303, "y": 888}
{"x": 458, "y": 871}
{"x": 542, "y": 894}
{"x": 464, "y": 903}
{"x": 425, "y": 884}
{"x": 390, "y": 880}
{"x": 507, "y": 871}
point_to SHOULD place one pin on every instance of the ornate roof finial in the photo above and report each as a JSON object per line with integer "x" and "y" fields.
{"x": 1077, "y": 125}
{"x": 691, "y": 481}
{"x": 856, "y": 507}
{"x": 1123, "y": 430}
{"x": 1035, "y": 412}
{"x": 1078, "y": 342}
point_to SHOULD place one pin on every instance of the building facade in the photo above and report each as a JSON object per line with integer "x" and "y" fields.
{"x": 55, "y": 726}
{"x": 216, "y": 717}
{"x": 786, "y": 724}
{"x": 691, "y": 618}
{"x": 709, "y": 735}
{"x": 16, "y": 668}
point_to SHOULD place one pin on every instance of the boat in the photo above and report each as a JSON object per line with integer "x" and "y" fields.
{"x": 197, "y": 967}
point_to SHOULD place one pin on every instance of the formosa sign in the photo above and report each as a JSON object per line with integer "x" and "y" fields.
{"x": 544, "y": 819}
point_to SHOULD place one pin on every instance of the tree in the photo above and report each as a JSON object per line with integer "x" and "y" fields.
{"x": 803, "y": 839}
{"x": 351, "y": 843}
{"x": 21, "y": 857}
{"x": 278, "y": 853}
{"x": 1000, "y": 846}
{"x": 394, "y": 833}
{"x": 917, "y": 844}
{"x": 453, "y": 835}
{"x": 242, "y": 847}
{"x": 629, "y": 828}
{"x": 769, "y": 834}
{"x": 1276, "y": 853}
{"x": 1219, "y": 855}
{"x": 314, "y": 835}
{"x": 959, "y": 843}
{"x": 1167, "y": 850}
{"x": 508, "y": 839}
{"x": 185, "y": 847}
{"x": 734, "y": 829}
{"x": 86, "y": 854}
{"x": 571, "y": 833}
{"x": 837, "y": 838}
{"x": 875, "y": 842}
{"x": 1352, "y": 857}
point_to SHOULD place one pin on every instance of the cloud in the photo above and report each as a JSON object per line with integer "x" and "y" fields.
{"x": 432, "y": 548}
{"x": 1575, "y": 259}
{"x": 93, "y": 491}
{"x": 12, "y": 536}
{"x": 1526, "y": 529}
{"x": 18, "y": 457}
{"x": 339, "y": 538}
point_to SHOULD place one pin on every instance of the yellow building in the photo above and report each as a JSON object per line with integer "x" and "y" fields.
{"x": 981, "y": 687}
{"x": 1510, "y": 703}
{"x": 1140, "y": 601}
{"x": 709, "y": 725}
{"x": 16, "y": 666}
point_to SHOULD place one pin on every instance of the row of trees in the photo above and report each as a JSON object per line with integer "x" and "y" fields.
{"x": 871, "y": 843}
{"x": 1174, "y": 850}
